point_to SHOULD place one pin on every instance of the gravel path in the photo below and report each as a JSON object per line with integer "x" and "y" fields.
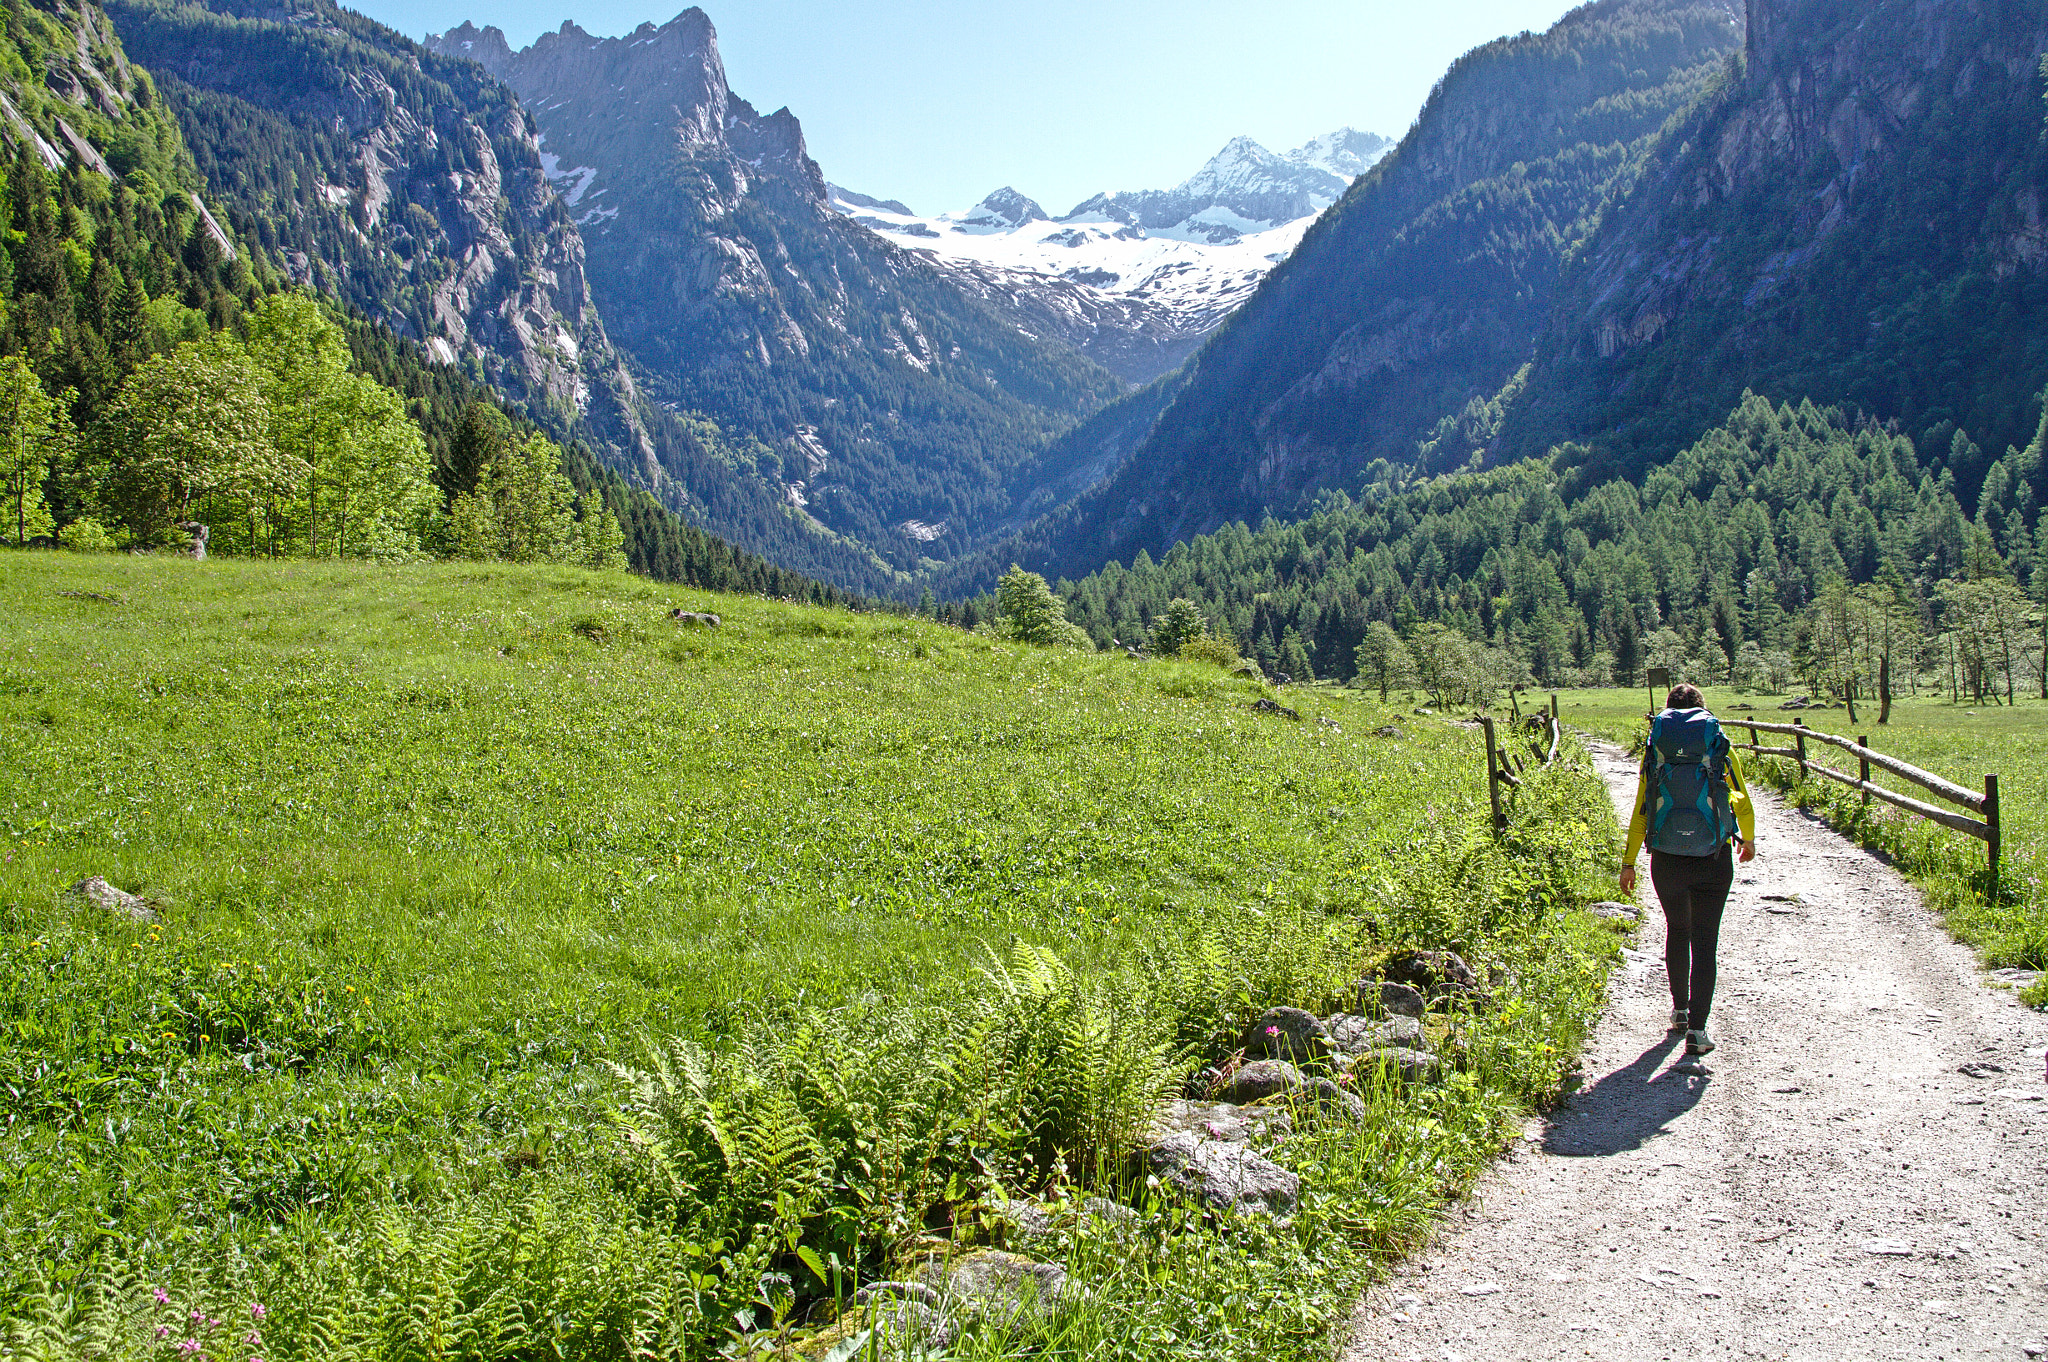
{"x": 1861, "y": 1172}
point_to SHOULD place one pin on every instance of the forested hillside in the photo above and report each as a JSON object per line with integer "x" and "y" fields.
{"x": 157, "y": 370}
{"x": 1412, "y": 303}
{"x": 1857, "y": 219}
{"x": 411, "y": 186}
{"x": 1790, "y": 544}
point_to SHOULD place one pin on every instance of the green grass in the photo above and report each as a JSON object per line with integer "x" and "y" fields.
{"x": 1961, "y": 742}
{"x": 453, "y": 862}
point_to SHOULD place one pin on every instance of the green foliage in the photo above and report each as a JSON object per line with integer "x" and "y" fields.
{"x": 1551, "y": 574}
{"x": 1382, "y": 660}
{"x": 189, "y": 431}
{"x": 912, "y": 919}
{"x": 35, "y": 436}
{"x": 1180, "y": 625}
{"x": 1026, "y": 610}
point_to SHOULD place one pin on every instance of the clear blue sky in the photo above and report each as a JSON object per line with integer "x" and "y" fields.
{"x": 936, "y": 102}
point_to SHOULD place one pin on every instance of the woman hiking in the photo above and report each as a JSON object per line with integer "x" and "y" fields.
{"x": 1690, "y": 805}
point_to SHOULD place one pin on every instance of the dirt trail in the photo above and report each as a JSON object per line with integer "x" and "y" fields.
{"x": 1835, "y": 1186}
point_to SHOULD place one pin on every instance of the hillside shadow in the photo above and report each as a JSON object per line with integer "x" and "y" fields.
{"x": 1625, "y": 1108}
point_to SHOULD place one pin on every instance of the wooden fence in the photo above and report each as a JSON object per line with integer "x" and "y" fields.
{"x": 1984, "y": 827}
{"x": 1542, "y": 735}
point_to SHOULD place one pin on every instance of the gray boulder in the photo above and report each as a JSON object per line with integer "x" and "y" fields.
{"x": 1258, "y": 1081}
{"x": 1329, "y": 1099}
{"x": 120, "y": 902}
{"x": 992, "y": 1284}
{"x": 1224, "y": 1121}
{"x": 1399, "y": 1062}
{"x": 1287, "y": 1033}
{"x": 1356, "y": 1035}
{"x": 694, "y": 618}
{"x": 1437, "y": 974}
{"x": 1376, "y": 996}
{"x": 1224, "y": 1177}
{"x": 1617, "y": 912}
{"x": 1390, "y": 731}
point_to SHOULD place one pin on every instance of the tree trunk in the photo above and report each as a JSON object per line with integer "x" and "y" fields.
{"x": 1849, "y": 694}
{"x": 1884, "y": 689}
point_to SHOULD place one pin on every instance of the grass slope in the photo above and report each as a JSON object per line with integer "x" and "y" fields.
{"x": 1961, "y": 742}
{"x": 537, "y": 977}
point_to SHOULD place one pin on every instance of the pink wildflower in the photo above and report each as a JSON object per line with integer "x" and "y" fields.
{"x": 1272, "y": 1030}
{"x": 257, "y": 1310}
{"x": 190, "y": 1345}
{"x": 163, "y": 1297}
{"x": 163, "y": 1331}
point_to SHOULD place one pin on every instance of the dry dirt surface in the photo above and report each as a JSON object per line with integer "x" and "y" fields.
{"x": 1860, "y": 1171}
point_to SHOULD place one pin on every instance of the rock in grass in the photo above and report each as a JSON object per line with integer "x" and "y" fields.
{"x": 991, "y": 1284}
{"x": 1224, "y": 1121}
{"x": 100, "y": 894}
{"x": 1224, "y": 1177}
{"x": 1619, "y": 912}
{"x": 1259, "y": 1080}
{"x": 694, "y": 618}
{"x": 1437, "y": 974}
{"x": 1327, "y": 1098}
{"x": 1287, "y": 1033}
{"x": 1355, "y": 1035}
{"x": 1400, "y": 1062}
{"x": 1390, "y": 731}
{"x": 1378, "y": 996}
{"x": 1029, "y": 1219}
{"x": 1267, "y": 705}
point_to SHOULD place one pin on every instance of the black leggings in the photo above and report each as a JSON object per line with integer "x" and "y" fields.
{"x": 1693, "y": 890}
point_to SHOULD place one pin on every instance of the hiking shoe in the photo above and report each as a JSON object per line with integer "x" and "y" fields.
{"x": 1680, "y": 1018}
{"x": 1698, "y": 1042}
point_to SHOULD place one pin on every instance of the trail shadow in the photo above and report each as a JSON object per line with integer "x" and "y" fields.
{"x": 1626, "y": 1107}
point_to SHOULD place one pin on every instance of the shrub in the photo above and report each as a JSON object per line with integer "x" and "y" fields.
{"x": 86, "y": 535}
{"x": 1218, "y": 652}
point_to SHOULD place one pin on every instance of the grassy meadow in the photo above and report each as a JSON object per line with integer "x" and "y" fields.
{"x": 536, "y": 977}
{"x": 1961, "y": 742}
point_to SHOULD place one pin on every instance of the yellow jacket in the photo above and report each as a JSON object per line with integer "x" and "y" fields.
{"x": 1738, "y": 800}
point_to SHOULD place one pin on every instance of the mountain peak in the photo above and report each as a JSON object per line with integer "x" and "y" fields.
{"x": 1005, "y": 210}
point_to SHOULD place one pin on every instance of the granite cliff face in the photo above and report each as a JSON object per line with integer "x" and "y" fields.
{"x": 1845, "y": 221}
{"x": 402, "y": 183}
{"x": 892, "y": 405}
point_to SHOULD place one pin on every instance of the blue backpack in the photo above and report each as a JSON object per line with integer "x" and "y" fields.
{"x": 1687, "y": 795}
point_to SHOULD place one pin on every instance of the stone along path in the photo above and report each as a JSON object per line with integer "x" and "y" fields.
{"x": 1861, "y": 1172}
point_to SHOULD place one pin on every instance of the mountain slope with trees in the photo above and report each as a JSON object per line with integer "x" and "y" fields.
{"x": 411, "y": 186}
{"x": 1857, "y": 219}
{"x": 1789, "y": 543}
{"x": 159, "y": 366}
{"x": 1411, "y": 305}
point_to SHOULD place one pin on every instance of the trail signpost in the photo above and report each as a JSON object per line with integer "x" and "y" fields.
{"x": 1657, "y": 678}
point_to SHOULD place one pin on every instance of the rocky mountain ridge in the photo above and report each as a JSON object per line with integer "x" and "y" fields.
{"x": 422, "y": 201}
{"x": 888, "y": 404}
{"x": 1136, "y": 281}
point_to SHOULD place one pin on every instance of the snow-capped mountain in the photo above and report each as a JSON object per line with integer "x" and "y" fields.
{"x": 1137, "y": 279}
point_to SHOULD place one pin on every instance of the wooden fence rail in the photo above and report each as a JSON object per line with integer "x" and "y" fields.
{"x": 1984, "y": 829}
{"x": 1504, "y": 769}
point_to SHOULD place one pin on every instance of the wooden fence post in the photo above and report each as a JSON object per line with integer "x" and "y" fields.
{"x": 1553, "y": 707}
{"x": 1865, "y": 763}
{"x": 1991, "y": 831}
{"x": 1799, "y": 741}
{"x": 1500, "y": 822}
